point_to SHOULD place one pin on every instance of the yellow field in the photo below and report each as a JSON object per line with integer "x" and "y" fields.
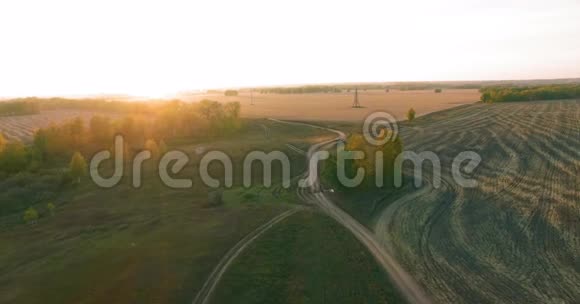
{"x": 337, "y": 106}
{"x": 329, "y": 107}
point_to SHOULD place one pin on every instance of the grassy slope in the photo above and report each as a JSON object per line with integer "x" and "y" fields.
{"x": 308, "y": 258}
{"x": 123, "y": 245}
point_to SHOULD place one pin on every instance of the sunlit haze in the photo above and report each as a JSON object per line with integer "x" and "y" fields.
{"x": 153, "y": 48}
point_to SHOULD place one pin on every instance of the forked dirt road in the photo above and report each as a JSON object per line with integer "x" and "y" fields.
{"x": 312, "y": 194}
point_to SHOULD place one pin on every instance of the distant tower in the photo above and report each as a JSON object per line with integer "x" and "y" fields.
{"x": 356, "y": 104}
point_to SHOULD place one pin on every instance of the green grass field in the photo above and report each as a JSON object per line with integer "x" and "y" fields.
{"x": 153, "y": 244}
{"x": 308, "y": 258}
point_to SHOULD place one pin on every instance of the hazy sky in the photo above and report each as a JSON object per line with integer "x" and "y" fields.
{"x": 144, "y": 47}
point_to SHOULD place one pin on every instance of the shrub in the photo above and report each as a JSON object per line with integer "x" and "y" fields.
{"x": 231, "y": 93}
{"x": 30, "y": 216}
{"x": 50, "y": 207}
{"x": 2, "y": 142}
{"x": 438, "y": 90}
{"x": 77, "y": 167}
{"x": 411, "y": 114}
{"x": 13, "y": 158}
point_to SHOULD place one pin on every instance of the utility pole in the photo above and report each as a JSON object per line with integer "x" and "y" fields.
{"x": 252, "y": 97}
{"x": 356, "y": 104}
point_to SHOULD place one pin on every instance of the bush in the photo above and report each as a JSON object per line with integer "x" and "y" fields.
{"x": 30, "y": 216}
{"x": 438, "y": 90}
{"x": 66, "y": 178}
{"x": 231, "y": 93}
{"x": 411, "y": 114}
{"x": 356, "y": 142}
{"x": 77, "y": 167}
{"x": 13, "y": 158}
{"x": 2, "y": 142}
{"x": 50, "y": 207}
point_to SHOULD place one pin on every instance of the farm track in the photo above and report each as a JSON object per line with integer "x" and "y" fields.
{"x": 312, "y": 194}
{"x": 515, "y": 237}
{"x": 204, "y": 294}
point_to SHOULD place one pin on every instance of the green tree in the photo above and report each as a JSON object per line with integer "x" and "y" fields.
{"x": 231, "y": 93}
{"x": 50, "y": 207}
{"x": 77, "y": 167}
{"x": 13, "y": 158}
{"x": 40, "y": 144}
{"x": 411, "y": 114}
{"x": 30, "y": 215}
{"x": 232, "y": 110}
{"x": 2, "y": 142}
{"x": 101, "y": 130}
{"x": 211, "y": 110}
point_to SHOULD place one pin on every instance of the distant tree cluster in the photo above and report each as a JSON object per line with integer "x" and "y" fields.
{"x": 413, "y": 86}
{"x": 548, "y": 92}
{"x": 76, "y": 138}
{"x": 13, "y": 156}
{"x": 231, "y": 93}
{"x": 301, "y": 90}
{"x": 70, "y": 143}
{"x": 9, "y": 108}
{"x": 32, "y": 105}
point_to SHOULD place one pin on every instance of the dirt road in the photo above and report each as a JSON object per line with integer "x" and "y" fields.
{"x": 404, "y": 282}
{"x": 204, "y": 295}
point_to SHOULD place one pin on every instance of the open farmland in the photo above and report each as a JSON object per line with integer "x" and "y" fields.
{"x": 338, "y": 106}
{"x": 114, "y": 245}
{"x": 22, "y": 127}
{"x": 515, "y": 238}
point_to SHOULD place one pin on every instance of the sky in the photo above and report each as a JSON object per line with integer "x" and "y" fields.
{"x": 155, "y": 48}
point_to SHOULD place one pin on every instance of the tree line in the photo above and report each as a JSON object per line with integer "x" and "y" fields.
{"x": 300, "y": 90}
{"x": 528, "y": 93}
{"x": 78, "y": 138}
{"x": 33, "y": 105}
{"x": 17, "y": 107}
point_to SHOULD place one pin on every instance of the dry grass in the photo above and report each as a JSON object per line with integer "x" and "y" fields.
{"x": 337, "y": 106}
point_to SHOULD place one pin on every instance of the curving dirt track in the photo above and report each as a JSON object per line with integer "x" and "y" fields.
{"x": 312, "y": 194}
{"x": 515, "y": 238}
{"x": 204, "y": 294}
